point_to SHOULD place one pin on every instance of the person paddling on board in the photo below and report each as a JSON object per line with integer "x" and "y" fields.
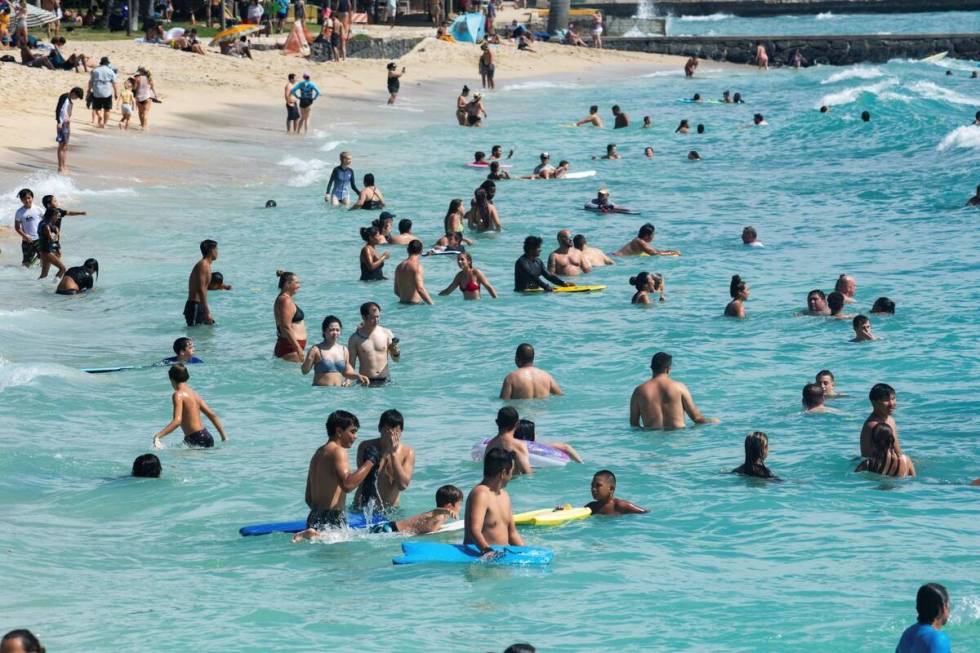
{"x": 529, "y": 269}
{"x": 184, "y": 350}
{"x": 489, "y": 517}
{"x": 605, "y": 503}
{"x": 641, "y": 245}
{"x": 601, "y": 201}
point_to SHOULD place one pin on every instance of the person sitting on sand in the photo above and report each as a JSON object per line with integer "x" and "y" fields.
{"x": 661, "y": 402}
{"x": 750, "y": 237}
{"x": 370, "y": 198}
{"x": 528, "y": 381}
{"x": 862, "y": 329}
{"x": 641, "y": 245}
{"x": 72, "y": 62}
{"x": 646, "y": 283}
{"x": 593, "y": 118}
{"x": 604, "y": 500}
{"x": 188, "y": 407}
{"x": 756, "y": 452}
{"x": 469, "y": 279}
{"x": 739, "y": 291}
{"x": 572, "y": 37}
{"x": 595, "y": 256}
{"x": 885, "y": 458}
{"x": 526, "y": 431}
{"x": 489, "y": 517}
{"x": 566, "y": 260}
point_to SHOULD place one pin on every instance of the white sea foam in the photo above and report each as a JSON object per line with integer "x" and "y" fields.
{"x": 858, "y": 72}
{"x": 330, "y": 146}
{"x": 535, "y": 85}
{"x": 708, "y": 18}
{"x": 308, "y": 172}
{"x": 826, "y": 16}
{"x": 962, "y": 137}
{"x": 851, "y": 94}
{"x": 933, "y": 91}
{"x": 44, "y": 183}
{"x": 13, "y": 375}
{"x": 665, "y": 73}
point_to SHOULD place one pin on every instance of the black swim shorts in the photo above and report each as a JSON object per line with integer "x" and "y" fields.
{"x": 102, "y": 103}
{"x": 292, "y": 112}
{"x": 193, "y": 313}
{"x": 321, "y": 518}
{"x": 201, "y": 439}
{"x": 29, "y": 252}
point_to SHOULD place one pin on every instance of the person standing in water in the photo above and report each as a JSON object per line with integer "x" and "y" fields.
{"x": 593, "y": 118}
{"x": 410, "y": 277}
{"x": 395, "y": 465}
{"x": 372, "y": 344}
{"x": 566, "y": 260}
{"x": 461, "y": 101}
{"x": 469, "y": 279}
{"x": 527, "y": 381}
{"x": 290, "y": 328}
{"x": 883, "y": 404}
{"x": 975, "y": 200}
{"x": 756, "y": 452}
{"x": 394, "y": 81}
{"x": 690, "y": 66}
{"x": 196, "y": 309}
{"x": 307, "y": 93}
{"x": 622, "y": 120}
{"x": 372, "y": 263}
{"x": 188, "y": 407}
{"x": 488, "y": 516}
{"x": 925, "y": 636}
{"x": 62, "y": 114}
{"x": 330, "y": 359}
{"x": 646, "y": 283}
{"x": 595, "y": 256}
{"x": 739, "y": 291}
{"x": 292, "y": 111}
{"x": 661, "y": 402}
{"x": 529, "y": 270}
{"x": 341, "y": 182}
{"x": 329, "y": 478}
{"x": 487, "y": 67}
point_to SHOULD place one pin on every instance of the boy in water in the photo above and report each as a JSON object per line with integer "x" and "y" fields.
{"x": 489, "y": 518}
{"x": 395, "y": 464}
{"x": 826, "y": 380}
{"x": 449, "y": 502}
{"x": 862, "y": 329}
{"x": 883, "y": 403}
{"x": 217, "y": 282}
{"x": 188, "y": 407}
{"x": 329, "y": 478}
{"x": 603, "y": 489}
{"x": 184, "y": 350}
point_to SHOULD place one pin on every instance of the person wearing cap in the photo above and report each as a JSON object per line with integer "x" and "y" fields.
{"x": 307, "y": 92}
{"x": 544, "y": 169}
{"x": 475, "y": 111}
{"x": 601, "y": 200}
{"x": 102, "y": 86}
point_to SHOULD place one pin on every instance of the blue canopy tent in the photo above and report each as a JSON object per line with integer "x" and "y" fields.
{"x": 468, "y": 27}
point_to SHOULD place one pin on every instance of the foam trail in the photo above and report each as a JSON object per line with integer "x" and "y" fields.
{"x": 851, "y": 94}
{"x": 532, "y": 86}
{"x": 308, "y": 172}
{"x": 962, "y": 137}
{"x": 858, "y": 72}
{"x": 13, "y": 375}
{"x": 44, "y": 183}
{"x": 933, "y": 91}
{"x": 330, "y": 146}
{"x": 826, "y": 16}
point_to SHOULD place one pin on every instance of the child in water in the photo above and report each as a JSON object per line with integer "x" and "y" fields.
{"x": 525, "y": 431}
{"x": 756, "y": 451}
{"x": 885, "y": 457}
{"x": 188, "y": 407}
{"x": 603, "y": 489}
{"x": 217, "y": 282}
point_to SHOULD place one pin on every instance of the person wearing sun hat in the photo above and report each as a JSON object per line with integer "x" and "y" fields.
{"x": 475, "y": 111}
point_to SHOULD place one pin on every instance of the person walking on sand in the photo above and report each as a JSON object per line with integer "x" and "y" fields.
{"x": 292, "y": 111}
{"x": 307, "y": 93}
{"x": 761, "y": 57}
{"x": 487, "y": 67}
{"x": 661, "y": 402}
{"x": 394, "y": 81}
{"x": 62, "y": 114}
{"x": 145, "y": 94}
{"x": 102, "y": 86}
{"x": 188, "y": 407}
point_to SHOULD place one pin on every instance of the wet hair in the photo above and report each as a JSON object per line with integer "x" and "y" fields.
{"x": 489, "y": 187}
{"x": 146, "y": 466}
{"x": 881, "y": 392}
{"x": 525, "y": 430}
{"x": 866, "y": 116}
{"x": 28, "y": 641}
{"x": 216, "y": 279}
{"x": 929, "y": 602}
{"x": 180, "y": 344}
{"x": 812, "y": 395}
{"x": 825, "y": 373}
{"x": 835, "y": 301}
{"x": 756, "y": 444}
{"x": 824, "y": 109}
{"x": 578, "y": 241}
{"x": 610, "y": 148}
{"x": 270, "y": 204}
{"x": 207, "y": 246}
{"x": 683, "y": 124}
{"x": 92, "y": 266}
{"x": 532, "y": 243}
{"x": 660, "y": 362}
{"x": 24, "y": 193}
{"x": 640, "y": 280}
{"x": 697, "y": 97}
{"x": 382, "y": 220}
{"x": 757, "y": 118}
{"x": 369, "y": 233}
{"x": 507, "y": 418}
{"x": 479, "y": 155}
{"x": 593, "y": 108}
{"x": 750, "y": 232}
{"x": 646, "y": 230}
{"x": 448, "y": 495}
{"x": 859, "y": 321}
{"x": 482, "y": 203}
{"x": 466, "y": 89}
{"x": 525, "y": 353}
{"x": 415, "y": 247}
{"x": 178, "y": 373}
{"x": 284, "y": 278}
{"x": 497, "y": 461}
{"x": 391, "y": 418}
{"x": 341, "y": 419}
{"x": 607, "y": 476}
{"x": 700, "y": 128}
{"x": 454, "y": 205}
{"x": 46, "y": 200}
{"x": 882, "y": 439}
{"x": 328, "y": 320}
{"x": 495, "y": 148}
{"x": 495, "y": 167}
{"x": 816, "y": 291}
{"x": 736, "y": 287}
{"x": 615, "y": 108}
{"x": 883, "y": 305}
{"x": 404, "y": 226}
{"x": 465, "y": 255}
{"x": 367, "y": 306}
{"x": 369, "y": 179}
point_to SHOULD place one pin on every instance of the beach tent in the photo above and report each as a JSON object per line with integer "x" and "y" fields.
{"x": 298, "y": 41}
{"x": 37, "y": 17}
{"x": 468, "y": 27}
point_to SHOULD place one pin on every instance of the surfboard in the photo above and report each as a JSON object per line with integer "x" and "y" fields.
{"x": 354, "y": 520}
{"x": 581, "y": 174}
{"x": 106, "y": 370}
{"x": 551, "y": 516}
{"x": 481, "y": 166}
{"x": 570, "y": 289}
{"x": 422, "y": 552}
{"x": 939, "y": 56}
{"x": 618, "y": 209}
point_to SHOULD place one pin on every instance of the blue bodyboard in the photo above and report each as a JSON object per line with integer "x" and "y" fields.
{"x": 420, "y": 552}
{"x": 354, "y": 520}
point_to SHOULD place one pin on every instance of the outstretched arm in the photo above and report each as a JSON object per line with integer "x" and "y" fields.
{"x": 448, "y": 290}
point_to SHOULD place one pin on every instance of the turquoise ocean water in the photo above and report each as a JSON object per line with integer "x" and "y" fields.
{"x": 826, "y": 23}
{"x": 826, "y": 561}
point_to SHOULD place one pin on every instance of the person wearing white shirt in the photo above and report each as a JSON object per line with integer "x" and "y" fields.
{"x": 26, "y": 220}
{"x": 102, "y": 86}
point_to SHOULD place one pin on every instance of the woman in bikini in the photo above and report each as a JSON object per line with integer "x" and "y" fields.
{"x": 469, "y": 279}
{"x": 329, "y": 359}
{"x": 145, "y": 94}
{"x": 646, "y": 283}
{"x": 290, "y": 327}
{"x": 371, "y": 262}
{"x": 370, "y": 198}
{"x": 454, "y": 217}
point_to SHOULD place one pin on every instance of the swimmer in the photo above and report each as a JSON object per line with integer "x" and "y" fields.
{"x": 371, "y": 262}
{"x": 750, "y": 237}
{"x": 479, "y": 158}
{"x": 696, "y": 98}
{"x": 621, "y": 119}
{"x": 835, "y": 302}
{"x": 611, "y": 152}
{"x": 184, "y": 353}
{"x": 758, "y": 120}
{"x": 813, "y": 399}
{"x": 646, "y": 283}
{"x": 270, "y": 204}
{"x": 383, "y": 224}
{"x": 526, "y": 431}
{"x": 641, "y": 244}
{"x": 824, "y": 109}
{"x": 726, "y": 97}
{"x": 648, "y": 152}
{"x": 693, "y": 156}
{"x": 453, "y": 222}
{"x": 449, "y": 504}
{"x": 739, "y": 292}
{"x": 217, "y": 282}
{"x": 601, "y": 201}
{"x": 883, "y": 404}
{"x": 883, "y": 306}
{"x": 329, "y": 478}
{"x": 188, "y": 407}
{"x": 79, "y": 279}
{"x": 489, "y": 517}
{"x": 528, "y": 381}
{"x": 866, "y": 116}
{"x": 661, "y": 402}
{"x": 566, "y": 260}
{"x": 410, "y": 277}
{"x": 370, "y": 198}
{"x": 146, "y": 466}
{"x": 690, "y": 66}
{"x": 497, "y": 173}
{"x": 603, "y": 500}
{"x": 647, "y": 123}
{"x": 196, "y": 309}
{"x": 592, "y": 119}
{"x": 847, "y": 286}
{"x": 862, "y": 329}
{"x": 507, "y": 422}
{"x": 453, "y": 241}
{"x": 885, "y": 458}
{"x": 469, "y": 279}
{"x": 483, "y": 215}
{"x": 330, "y": 359}
{"x": 405, "y": 235}
{"x": 290, "y": 328}
{"x": 21, "y": 640}
{"x": 372, "y": 345}
{"x": 341, "y": 182}
{"x": 497, "y": 153}
{"x": 393, "y": 469}
{"x": 595, "y": 256}
{"x": 529, "y": 270}
{"x": 700, "y": 128}
{"x": 816, "y": 303}
{"x": 976, "y": 118}
{"x": 932, "y": 606}
{"x": 827, "y": 383}
{"x": 737, "y": 99}
{"x": 975, "y": 200}
{"x": 683, "y": 128}
{"x": 756, "y": 452}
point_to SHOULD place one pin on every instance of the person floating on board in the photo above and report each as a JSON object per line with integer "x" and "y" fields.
{"x": 489, "y": 518}
{"x": 605, "y": 503}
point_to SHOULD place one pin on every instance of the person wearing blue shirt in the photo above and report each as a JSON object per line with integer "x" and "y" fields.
{"x": 925, "y": 636}
{"x": 307, "y": 92}
{"x": 184, "y": 348}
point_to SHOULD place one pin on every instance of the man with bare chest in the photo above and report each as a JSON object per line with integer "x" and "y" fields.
{"x": 489, "y": 518}
{"x": 661, "y": 402}
{"x": 370, "y": 346}
{"x": 396, "y": 463}
{"x": 567, "y": 260}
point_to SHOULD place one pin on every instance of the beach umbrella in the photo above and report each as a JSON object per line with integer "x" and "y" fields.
{"x": 37, "y": 17}
{"x": 234, "y": 33}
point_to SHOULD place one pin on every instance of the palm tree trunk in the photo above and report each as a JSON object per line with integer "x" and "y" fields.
{"x": 558, "y": 12}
